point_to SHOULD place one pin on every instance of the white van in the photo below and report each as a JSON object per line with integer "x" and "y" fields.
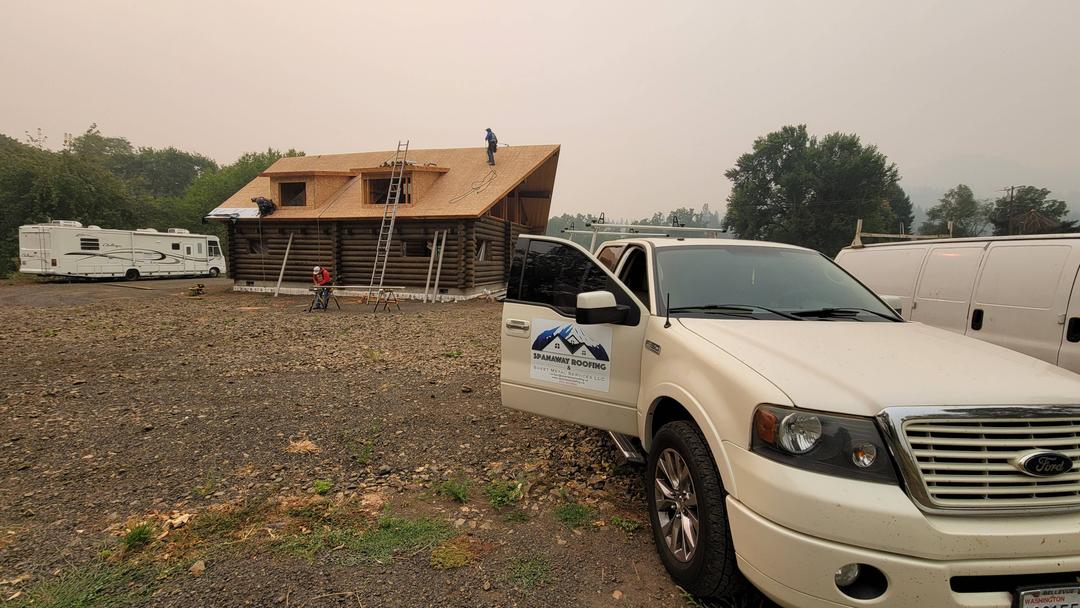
{"x": 1020, "y": 292}
{"x": 67, "y": 248}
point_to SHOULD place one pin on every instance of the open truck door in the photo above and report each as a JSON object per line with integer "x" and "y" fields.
{"x": 572, "y": 337}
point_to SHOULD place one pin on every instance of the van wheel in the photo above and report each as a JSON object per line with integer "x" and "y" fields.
{"x": 131, "y": 274}
{"x": 689, "y": 517}
{"x": 214, "y": 272}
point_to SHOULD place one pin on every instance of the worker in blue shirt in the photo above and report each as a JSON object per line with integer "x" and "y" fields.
{"x": 492, "y": 144}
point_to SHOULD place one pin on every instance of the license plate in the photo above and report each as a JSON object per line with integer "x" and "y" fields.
{"x": 1051, "y": 597}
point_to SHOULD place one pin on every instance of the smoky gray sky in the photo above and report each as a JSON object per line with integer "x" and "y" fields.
{"x": 651, "y": 101}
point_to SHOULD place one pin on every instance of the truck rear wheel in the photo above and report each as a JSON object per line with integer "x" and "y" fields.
{"x": 131, "y": 274}
{"x": 689, "y": 516}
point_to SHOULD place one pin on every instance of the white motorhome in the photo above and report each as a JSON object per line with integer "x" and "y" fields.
{"x": 67, "y": 248}
{"x": 1020, "y": 292}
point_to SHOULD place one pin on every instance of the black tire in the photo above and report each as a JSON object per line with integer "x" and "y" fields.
{"x": 132, "y": 274}
{"x": 214, "y": 272}
{"x": 712, "y": 570}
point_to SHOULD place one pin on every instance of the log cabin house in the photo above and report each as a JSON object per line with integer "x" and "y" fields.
{"x": 332, "y": 206}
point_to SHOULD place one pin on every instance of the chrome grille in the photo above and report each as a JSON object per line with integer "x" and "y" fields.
{"x": 966, "y": 459}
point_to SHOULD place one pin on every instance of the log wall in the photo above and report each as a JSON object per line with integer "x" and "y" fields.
{"x": 347, "y": 249}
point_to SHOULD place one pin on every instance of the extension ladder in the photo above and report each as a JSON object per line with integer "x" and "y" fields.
{"x": 386, "y": 228}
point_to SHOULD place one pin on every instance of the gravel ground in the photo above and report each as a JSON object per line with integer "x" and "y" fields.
{"x": 233, "y": 450}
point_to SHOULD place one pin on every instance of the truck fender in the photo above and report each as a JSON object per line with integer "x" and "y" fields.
{"x": 674, "y": 392}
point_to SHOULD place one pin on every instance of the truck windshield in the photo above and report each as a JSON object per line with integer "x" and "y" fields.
{"x": 744, "y": 281}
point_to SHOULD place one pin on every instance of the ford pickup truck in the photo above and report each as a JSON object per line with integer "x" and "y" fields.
{"x": 803, "y": 441}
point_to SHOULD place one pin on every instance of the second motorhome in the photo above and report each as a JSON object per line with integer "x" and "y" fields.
{"x": 67, "y": 248}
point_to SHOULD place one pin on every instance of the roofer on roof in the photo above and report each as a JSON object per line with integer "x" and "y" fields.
{"x": 321, "y": 277}
{"x": 492, "y": 144}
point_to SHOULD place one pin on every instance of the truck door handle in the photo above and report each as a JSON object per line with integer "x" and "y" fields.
{"x": 976, "y": 319}
{"x": 517, "y": 324}
{"x": 1072, "y": 332}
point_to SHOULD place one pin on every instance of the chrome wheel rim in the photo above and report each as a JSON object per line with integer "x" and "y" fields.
{"x": 676, "y": 505}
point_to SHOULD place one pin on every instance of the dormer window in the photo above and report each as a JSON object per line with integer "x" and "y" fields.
{"x": 293, "y": 194}
{"x": 378, "y": 190}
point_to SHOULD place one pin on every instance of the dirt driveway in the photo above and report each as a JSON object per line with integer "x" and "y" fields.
{"x": 234, "y": 450}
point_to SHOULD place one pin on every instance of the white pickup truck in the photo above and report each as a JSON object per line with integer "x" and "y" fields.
{"x": 802, "y": 439}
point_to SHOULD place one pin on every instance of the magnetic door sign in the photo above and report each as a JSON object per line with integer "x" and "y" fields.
{"x": 571, "y": 355}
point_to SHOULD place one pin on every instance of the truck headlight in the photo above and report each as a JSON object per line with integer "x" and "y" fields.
{"x": 844, "y": 446}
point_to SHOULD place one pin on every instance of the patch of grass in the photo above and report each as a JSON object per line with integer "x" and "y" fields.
{"x": 626, "y": 524}
{"x": 137, "y": 537}
{"x": 373, "y": 355}
{"x": 361, "y": 446}
{"x": 97, "y": 585}
{"x": 516, "y": 516}
{"x": 454, "y": 489}
{"x": 453, "y": 354}
{"x": 503, "y": 493}
{"x": 389, "y": 536}
{"x": 527, "y": 573}
{"x": 322, "y": 486}
{"x": 210, "y": 480}
{"x": 454, "y": 553}
{"x": 217, "y": 523}
{"x": 574, "y": 515}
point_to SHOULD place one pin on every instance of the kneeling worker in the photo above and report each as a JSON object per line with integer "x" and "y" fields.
{"x": 321, "y": 277}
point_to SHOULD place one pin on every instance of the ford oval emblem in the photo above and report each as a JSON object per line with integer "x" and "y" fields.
{"x": 1044, "y": 463}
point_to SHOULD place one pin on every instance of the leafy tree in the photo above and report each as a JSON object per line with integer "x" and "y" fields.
{"x": 148, "y": 172}
{"x": 959, "y": 205}
{"x": 900, "y": 203}
{"x": 799, "y": 189}
{"x": 211, "y": 188}
{"x": 686, "y": 216}
{"x": 1030, "y": 210}
{"x": 38, "y": 185}
{"x": 106, "y": 181}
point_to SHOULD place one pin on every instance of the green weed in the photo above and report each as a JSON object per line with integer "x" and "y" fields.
{"x": 453, "y": 354}
{"x": 389, "y": 536}
{"x": 98, "y": 585}
{"x": 504, "y": 493}
{"x": 452, "y": 554}
{"x": 456, "y": 490}
{"x": 322, "y": 486}
{"x": 574, "y": 515}
{"x": 626, "y": 524}
{"x": 210, "y": 480}
{"x": 137, "y": 537}
{"x": 516, "y": 516}
{"x": 528, "y": 573}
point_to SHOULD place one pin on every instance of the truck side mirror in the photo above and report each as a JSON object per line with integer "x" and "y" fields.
{"x": 595, "y": 307}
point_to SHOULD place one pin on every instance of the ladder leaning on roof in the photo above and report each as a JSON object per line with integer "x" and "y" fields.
{"x": 386, "y": 229}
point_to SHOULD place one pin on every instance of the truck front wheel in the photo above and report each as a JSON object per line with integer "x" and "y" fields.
{"x": 689, "y": 516}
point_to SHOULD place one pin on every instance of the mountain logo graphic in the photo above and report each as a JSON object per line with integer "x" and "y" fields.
{"x": 570, "y": 340}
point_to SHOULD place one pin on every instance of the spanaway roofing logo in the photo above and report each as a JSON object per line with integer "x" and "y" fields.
{"x": 570, "y": 340}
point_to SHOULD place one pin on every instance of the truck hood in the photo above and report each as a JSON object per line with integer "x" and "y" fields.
{"x": 862, "y": 367}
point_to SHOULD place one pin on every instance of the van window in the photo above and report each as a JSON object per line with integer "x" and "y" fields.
{"x": 198, "y": 247}
{"x": 950, "y": 273}
{"x": 1022, "y": 276}
{"x": 176, "y": 246}
{"x": 212, "y": 249}
{"x": 88, "y": 244}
